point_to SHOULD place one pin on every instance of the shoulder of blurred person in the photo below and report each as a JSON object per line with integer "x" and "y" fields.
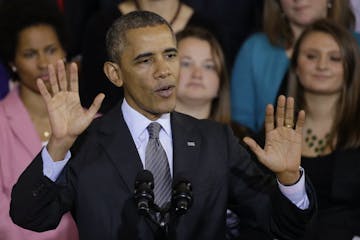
{"x": 234, "y": 21}
{"x": 92, "y": 77}
{"x": 258, "y": 63}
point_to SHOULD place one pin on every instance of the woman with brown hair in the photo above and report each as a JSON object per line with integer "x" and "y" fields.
{"x": 203, "y": 89}
{"x": 326, "y": 74}
{"x": 263, "y": 60}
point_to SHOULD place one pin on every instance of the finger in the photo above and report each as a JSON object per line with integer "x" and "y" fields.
{"x": 53, "y": 81}
{"x": 74, "y": 80}
{"x": 300, "y": 122}
{"x": 43, "y": 90}
{"x": 280, "y": 111}
{"x": 289, "y": 112}
{"x": 61, "y": 73}
{"x": 95, "y": 106}
{"x": 269, "y": 118}
{"x": 259, "y": 152}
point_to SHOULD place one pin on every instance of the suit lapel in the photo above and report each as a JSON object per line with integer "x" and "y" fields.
{"x": 21, "y": 123}
{"x": 118, "y": 143}
{"x": 186, "y": 148}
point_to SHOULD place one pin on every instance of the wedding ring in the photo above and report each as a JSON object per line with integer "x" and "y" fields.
{"x": 289, "y": 126}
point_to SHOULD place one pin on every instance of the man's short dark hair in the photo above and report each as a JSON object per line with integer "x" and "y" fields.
{"x": 116, "y": 35}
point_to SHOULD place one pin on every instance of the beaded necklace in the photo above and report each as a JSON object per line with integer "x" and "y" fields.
{"x": 314, "y": 142}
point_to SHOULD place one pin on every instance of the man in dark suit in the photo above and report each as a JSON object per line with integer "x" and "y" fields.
{"x": 97, "y": 183}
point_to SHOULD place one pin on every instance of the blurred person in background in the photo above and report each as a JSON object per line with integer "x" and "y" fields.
{"x": 326, "y": 77}
{"x": 263, "y": 60}
{"x": 32, "y": 38}
{"x": 356, "y": 9}
{"x": 203, "y": 92}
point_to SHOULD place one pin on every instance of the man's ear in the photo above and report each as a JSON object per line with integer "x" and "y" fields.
{"x": 113, "y": 73}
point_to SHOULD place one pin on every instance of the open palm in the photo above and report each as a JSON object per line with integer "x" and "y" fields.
{"x": 68, "y": 119}
{"x": 282, "y": 151}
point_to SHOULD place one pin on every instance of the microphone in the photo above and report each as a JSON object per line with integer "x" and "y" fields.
{"x": 182, "y": 197}
{"x": 143, "y": 194}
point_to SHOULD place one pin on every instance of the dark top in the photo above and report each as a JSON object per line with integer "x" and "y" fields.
{"x": 235, "y": 20}
{"x": 92, "y": 78}
{"x": 320, "y": 169}
{"x": 77, "y": 14}
{"x": 336, "y": 178}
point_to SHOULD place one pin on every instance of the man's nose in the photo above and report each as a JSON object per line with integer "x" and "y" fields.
{"x": 162, "y": 68}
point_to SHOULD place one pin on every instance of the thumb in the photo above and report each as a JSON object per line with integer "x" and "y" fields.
{"x": 95, "y": 106}
{"x": 255, "y": 148}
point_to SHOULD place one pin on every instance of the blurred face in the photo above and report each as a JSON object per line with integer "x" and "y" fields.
{"x": 149, "y": 69}
{"x": 199, "y": 80}
{"x": 38, "y": 46}
{"x": 304, "y": 12}
{"x": 320, "y": 64}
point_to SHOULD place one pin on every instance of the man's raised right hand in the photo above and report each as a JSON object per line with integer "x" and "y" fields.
{"x": 68, "y": 119}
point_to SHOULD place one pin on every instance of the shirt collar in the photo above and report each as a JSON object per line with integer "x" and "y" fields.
{"x": 137, "y": 123}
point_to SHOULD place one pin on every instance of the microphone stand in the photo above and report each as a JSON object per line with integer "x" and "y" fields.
{"x": 164, "y": 219}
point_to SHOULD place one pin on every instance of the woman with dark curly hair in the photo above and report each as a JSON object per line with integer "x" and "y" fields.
{"x": 32, "y": 37}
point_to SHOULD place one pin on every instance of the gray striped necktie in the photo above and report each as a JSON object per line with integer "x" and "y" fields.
{"x": 157, "y": 163}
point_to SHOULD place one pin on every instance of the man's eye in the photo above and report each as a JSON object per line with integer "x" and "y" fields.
{"x": 144, "y": 61}
{"x": 171, "y": 55}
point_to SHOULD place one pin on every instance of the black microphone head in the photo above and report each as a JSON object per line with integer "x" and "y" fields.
{"x": 144, "y": 176}
{"x": 182, "y": 197}
{"x": 181, "y": 184}
{"x": 143, "y": 192}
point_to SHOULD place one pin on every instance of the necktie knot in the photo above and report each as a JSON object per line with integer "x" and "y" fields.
{"x": 154, "y": 129}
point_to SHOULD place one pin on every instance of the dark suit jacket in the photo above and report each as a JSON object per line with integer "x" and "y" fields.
{"x": 98, "y": 183}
